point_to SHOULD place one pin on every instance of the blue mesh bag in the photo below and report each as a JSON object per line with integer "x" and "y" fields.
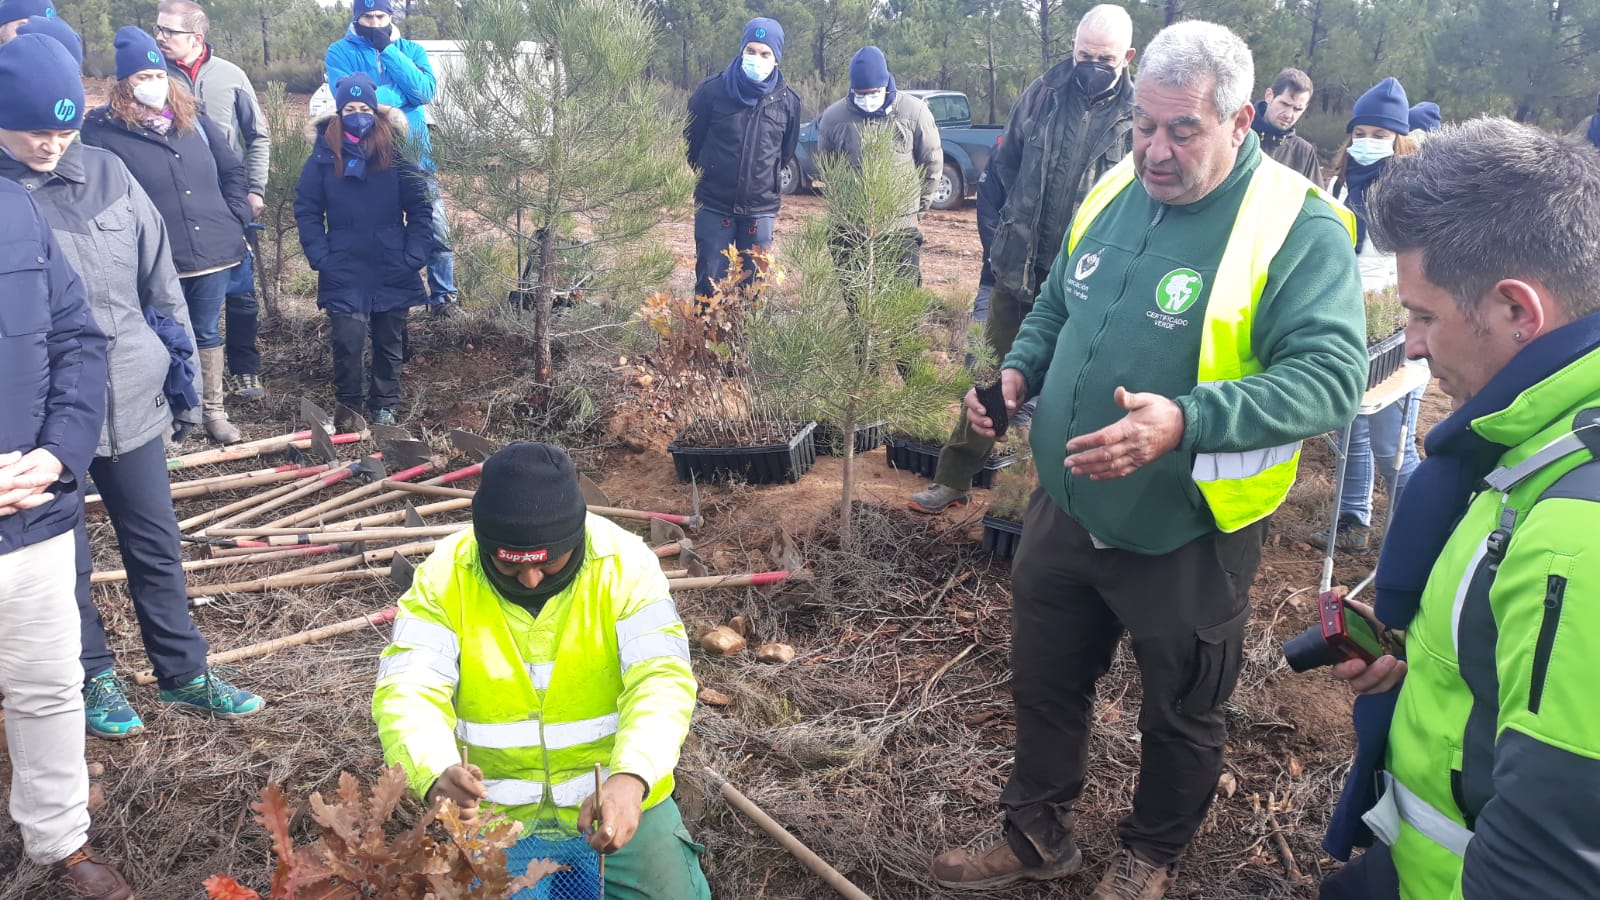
{"x": 581, "y": 880}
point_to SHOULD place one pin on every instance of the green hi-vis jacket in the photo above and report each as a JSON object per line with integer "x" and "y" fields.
{"x": 601, "y": 675}
{"x": 1129, "y": 302}
{"x": 1493, "y": 781}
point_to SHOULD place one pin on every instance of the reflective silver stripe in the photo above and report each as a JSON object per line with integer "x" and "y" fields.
{"x": 1505, "y": 478}
{"x": 515, "y": 792}
{"x": 423, "y": 635}
{"x": 1234, "y": 466}
{"x": 540, "y": 673}
{"x": 1433, "y": 824}
{"x": 414, "y": 661}
{"x": 560, "y": 736}
{"x": 1462, "y": 588}
{"x": 499, "y": 735}
{"x": 652, "y": 618}
{"x": 653, "y": 646}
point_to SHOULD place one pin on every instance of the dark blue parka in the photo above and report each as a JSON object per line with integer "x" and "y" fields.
{"x": 366, "y": 239}
{"x": 52, "y": 365}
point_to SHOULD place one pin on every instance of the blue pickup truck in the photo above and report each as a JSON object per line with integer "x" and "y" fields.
{"x": 966, "y": 150}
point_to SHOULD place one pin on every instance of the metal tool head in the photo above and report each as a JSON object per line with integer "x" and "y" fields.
{"x": 691, "y": 560}
{"x": 785, "y": 555}
{"x": 315, "y": 417}
{"x": 322, "y": 448}
{"x": 400, "y": 449}
{"x": 402, "y": 572}
{"x": 413, "y": 518}
{"x": 348, "y": 420}
{"x": 474, "y": 445}
{"x": 593, "y": 494}
{"x": 370, "y": 468}
{"x": 662, "y": 532}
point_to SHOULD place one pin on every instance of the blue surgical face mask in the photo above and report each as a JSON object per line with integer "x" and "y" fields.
{"x": 757, "y": 68}
{"x": 1366, "y": 151}
{"x": 358, "y": 124}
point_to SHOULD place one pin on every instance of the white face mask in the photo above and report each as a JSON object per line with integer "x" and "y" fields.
{"x": 757, "y": 68}
{"x": 1366, "y": 151}
{"x": 152, "y": 93}
{"x": 869, "y": 103}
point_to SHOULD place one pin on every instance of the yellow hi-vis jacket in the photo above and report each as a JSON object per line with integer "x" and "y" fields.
{"x": 601, "y": 675}
{"x": 1242, "y": 487}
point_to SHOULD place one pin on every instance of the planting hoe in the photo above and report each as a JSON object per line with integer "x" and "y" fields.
{"x": 789, "y": 842}
{"x": 317, "y": 434}
{"x": 360, "y": 623}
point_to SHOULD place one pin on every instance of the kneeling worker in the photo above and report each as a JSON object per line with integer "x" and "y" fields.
{"x": 544, "y": 641}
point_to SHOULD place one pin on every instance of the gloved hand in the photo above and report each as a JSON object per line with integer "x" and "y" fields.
{"x": 377, "y": 37}
{"x": 181, "y": 431}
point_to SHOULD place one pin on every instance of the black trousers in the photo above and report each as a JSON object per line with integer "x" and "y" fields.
{"x": 242, "y": 314}
{"x": 1185, "y": 612}
{"x": 348, "y": 335}
{"x": 1370, "y": 876}
{"x": 133, "y": 488}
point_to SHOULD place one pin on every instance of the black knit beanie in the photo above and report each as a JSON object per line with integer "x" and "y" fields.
{"x": 528, "y": 508}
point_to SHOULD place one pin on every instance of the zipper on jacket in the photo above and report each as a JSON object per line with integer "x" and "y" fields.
{"x": 1094, "y": 342}
{"x": 1555, "y": 593}
{"x": 741, "y": 195}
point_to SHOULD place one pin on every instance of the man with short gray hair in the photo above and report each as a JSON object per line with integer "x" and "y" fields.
{"x": 1482, "y": 734}
{"x": 1204, "y": 317}
{"x": 228, "y": 99}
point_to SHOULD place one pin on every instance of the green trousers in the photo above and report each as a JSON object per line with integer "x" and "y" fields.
{"x": 963, "y": 456}
{"x": 661, "y": 862}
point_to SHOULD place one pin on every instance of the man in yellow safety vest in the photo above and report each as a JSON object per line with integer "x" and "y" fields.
{"x": 543, "y": 641}
{"x": 1203, "y": 317}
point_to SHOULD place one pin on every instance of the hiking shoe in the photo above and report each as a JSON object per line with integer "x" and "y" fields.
{"x": 937, "y": 498}
{"x": 1131, "y": 878}
{"x": 214, "y": 696}
{"x": 997, "y": 867}
{"x": 88, "y": 876}
{"x": 1352, "y": 537}
{"x": 106, "y": 711}
{"x": 384, "y": 416}
{"x": 445, "y": 309}
{"x": 246, "y": 387}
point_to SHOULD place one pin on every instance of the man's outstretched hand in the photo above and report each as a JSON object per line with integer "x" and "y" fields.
{"x": 1153, "y": 427}
{"x": 464, "y": 786}
{"x": 611, "y": 817}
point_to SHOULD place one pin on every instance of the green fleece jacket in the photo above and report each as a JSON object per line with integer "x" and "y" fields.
{"x": 1100, "y": 322}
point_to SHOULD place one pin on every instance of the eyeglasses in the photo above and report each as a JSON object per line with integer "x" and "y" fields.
{"x": 163, "y": 31}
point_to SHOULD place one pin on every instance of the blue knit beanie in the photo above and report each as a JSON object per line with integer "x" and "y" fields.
{"x": 868, "y": 70}
{"x": 764, "y": 31}
{"x": 359, "y": 8}
{"x": 55, "y": 28}
{"x": 136, "y": 51}
{"x": 40, "y": 86}
{"x": 355, "y": 86}
{"x": 12, "y": 10}
{"x": 1425, "y": 116}
{"x": 1384, "y": 106}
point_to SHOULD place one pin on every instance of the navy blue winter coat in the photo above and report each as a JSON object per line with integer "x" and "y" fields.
{"x": 52, "y": 365}
{"x": 366, "y": 239}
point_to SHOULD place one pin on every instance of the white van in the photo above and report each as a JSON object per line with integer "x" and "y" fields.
{"x": 447, "y": 58}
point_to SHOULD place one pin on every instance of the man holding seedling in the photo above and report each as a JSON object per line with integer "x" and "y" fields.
{"x": 1203, "y": 317}
{"x": 1068, "y": 129}
{"x": 532, "y": 647}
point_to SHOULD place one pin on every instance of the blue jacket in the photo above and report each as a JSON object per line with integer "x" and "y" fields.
{"x": 52, "y": 365}
{"x": 402, "y": 72}
{"x": 366, "y": 239}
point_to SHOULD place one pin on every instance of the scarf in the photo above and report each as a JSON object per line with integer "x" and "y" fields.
{"x": 1357, "y": 178}
{"x": 742, "y": 89}
{"x": 888, "y": 103}
{"x": 1267, "y": 130}
{"x": 355, "y": 157}
{"x": 1435, "y": 499}
{"x": 533, "y": 600}
{"x": 160, "y": 122}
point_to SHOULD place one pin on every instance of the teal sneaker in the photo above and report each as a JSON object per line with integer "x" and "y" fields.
{"x": 106, "y": 710}
{"x": 214, "y": 696}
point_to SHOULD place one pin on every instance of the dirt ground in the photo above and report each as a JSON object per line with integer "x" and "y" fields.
{"x": 886, "y": 741}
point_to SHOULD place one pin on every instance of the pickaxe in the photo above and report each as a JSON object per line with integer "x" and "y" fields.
{"x": 318, "y": 431}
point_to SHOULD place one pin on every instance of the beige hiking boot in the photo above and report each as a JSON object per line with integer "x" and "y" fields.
{"x": 213, "y": 416}
{"x": 998, "y": 866}
{"x": 1131, "y": 878}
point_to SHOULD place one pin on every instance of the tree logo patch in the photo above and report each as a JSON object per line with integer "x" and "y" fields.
{"x": 1178, "y": 290}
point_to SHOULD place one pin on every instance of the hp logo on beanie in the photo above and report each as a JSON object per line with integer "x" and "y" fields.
{"x": 49, "y": 12}
{"x": 65, "y": 110}
{"x": 355, "y": 90}
{"x": 761, "y": 32}
{"x": 153, "y": 57}
{"x": 370, "y": 3}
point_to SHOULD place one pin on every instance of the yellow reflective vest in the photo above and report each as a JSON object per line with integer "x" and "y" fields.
{"x": 1242, "y": 487}
{"x": 601, "y": 675}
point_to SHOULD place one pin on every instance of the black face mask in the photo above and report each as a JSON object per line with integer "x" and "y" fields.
{"x": 531, "y": 599}
{"x": 1094, "y": 78}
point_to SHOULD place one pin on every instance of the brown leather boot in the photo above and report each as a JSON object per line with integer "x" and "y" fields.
{"x": 998, "y": 866}
{"x": 87, "y": 876}
{"x": 1131, "y": 878}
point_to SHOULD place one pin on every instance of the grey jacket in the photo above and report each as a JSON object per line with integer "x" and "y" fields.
{"x": 115, "y": 240}
{"x": 916, "y": 141}
{"x": 1056, "y": 145}
{"x": 229, "y": 99}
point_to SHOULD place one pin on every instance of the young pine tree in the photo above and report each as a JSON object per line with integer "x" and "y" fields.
{"x": 551, "y": 134}
{"x": 850, "y": 348}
